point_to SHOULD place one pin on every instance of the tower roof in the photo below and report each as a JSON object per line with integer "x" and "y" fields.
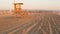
{"x": 19, "y": 3}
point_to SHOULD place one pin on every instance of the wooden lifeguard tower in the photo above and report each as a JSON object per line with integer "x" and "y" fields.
{"x": 17, "y": 7}
{"x": 18, "y": 10}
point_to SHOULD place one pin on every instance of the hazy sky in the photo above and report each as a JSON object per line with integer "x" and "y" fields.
{"x": 32, "y": 4}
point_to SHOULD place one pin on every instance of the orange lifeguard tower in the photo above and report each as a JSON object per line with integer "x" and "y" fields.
{"x": 17, "y": 7}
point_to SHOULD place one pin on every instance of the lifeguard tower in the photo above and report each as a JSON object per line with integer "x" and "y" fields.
{"x": 17, "y": 7}
{"x": 18, "y": 10}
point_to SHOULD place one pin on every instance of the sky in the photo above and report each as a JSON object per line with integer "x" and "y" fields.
{"x": 32, "y": 4}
